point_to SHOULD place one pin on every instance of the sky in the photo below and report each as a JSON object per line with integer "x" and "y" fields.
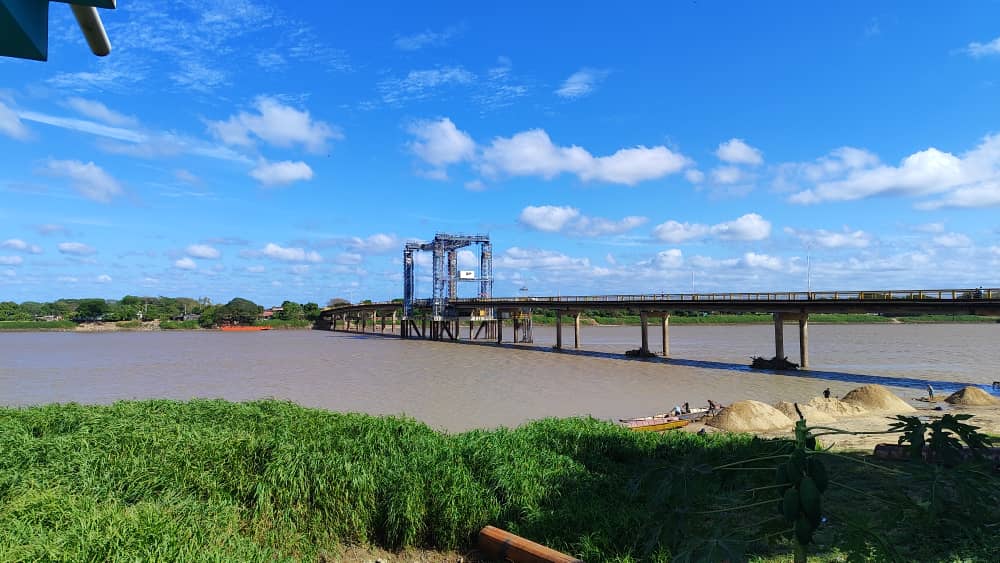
{"x": 288, "y": 150}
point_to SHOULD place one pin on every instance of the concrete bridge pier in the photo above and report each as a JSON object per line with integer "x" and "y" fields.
{"x": 576, "y": 330}
{"x": 804, "y": 340}
{"x": 644, "y": 323}
{"x": 665, "y": 333}
{"x": 499, "y": 328}
{"x": 558, "y": 345}
{"x": 779, "y": 335}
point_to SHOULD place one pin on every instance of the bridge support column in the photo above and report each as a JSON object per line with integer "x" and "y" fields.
{"x": 576, "y": 330}
{"x": 779, "y": 336}
{"x": 517, "y": 325}
{"x": 665, "y": 331}
{"x": 558, "y": 330}
{"x": 423, "y": 327}
{"x": 804, "y": 340}
{"x": 394, "y": 321}
{"x": 644, "y": 321}
{"x": 499, "y": 328}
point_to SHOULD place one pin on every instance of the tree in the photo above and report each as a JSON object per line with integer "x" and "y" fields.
{"x": 337, "y": 301}
{"x": 238, "y": 311}
{"x": 291, "y": 311}
{"x": 9, "y": 311}
{"x": 91, "y": 309}
{"x": 310, "y": 311}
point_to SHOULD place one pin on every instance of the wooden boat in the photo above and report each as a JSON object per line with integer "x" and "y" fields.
{"x": 656, "y": 424}
{"x": 240, "y": 328}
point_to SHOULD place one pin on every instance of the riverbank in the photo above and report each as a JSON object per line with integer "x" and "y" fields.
{"x": 266, "y": 480}
{"x": 132, "y": 326}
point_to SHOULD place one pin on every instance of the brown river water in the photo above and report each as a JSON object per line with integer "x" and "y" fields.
{"x": 458, "y": 386}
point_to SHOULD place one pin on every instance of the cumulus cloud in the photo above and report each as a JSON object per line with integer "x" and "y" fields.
{"x": 553, "y": 219}
{"x": 754, "y": 260}
{"x": 748, "y": 227}
{"x": 439, "y": 143}
{"x": 277, "y": 252}
{"x": 581, "y": 83}
{"x": 694, "y": 176}
{"x": 11, "y": 260}
{"x": 18, "y": 244}
{"x": 89, "y": 179}
{"x": 281, "y": 173}
{"x": 516, "y": 257}
{"x": 100, "y": 112}
{"x": 103, "y": 278}
{"x": 953, "y": 240}
{"x": 969, "y": 180}
{"x": 977, "y": 50}
{"x": 185, "y": 263}
{"x": 532, "y": 153}
{"x": 203, "y": 251}
{"x": 729, "y": 175}
{"x": 665, "y": 260}
{"x": 276, "y": 124}
{"x": 736, "y": 151}
{"x": 11, "y": 125}
{"x": 379, "y": 243}
{"x": 832, "y": 239}
{"x": 76, "y": 248}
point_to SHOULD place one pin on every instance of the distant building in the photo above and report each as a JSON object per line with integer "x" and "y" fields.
{"x": 270, "y": 313}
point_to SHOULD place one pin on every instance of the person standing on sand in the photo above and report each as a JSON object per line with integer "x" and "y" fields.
{"x": 826, "y": 393}
{"x": 930, "y": 392}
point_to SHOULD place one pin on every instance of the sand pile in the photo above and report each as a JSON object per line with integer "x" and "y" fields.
{"x": 812, "y": 414}
{"x": 877, "y": 398}
{"x": 750, "y": 416}
{"x": 834, "y": 407}
{"x": 972, "y": 397}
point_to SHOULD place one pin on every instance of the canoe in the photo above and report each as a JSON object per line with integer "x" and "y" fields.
{"x": 655, "y": 424}
{"x": 237, "y": 328}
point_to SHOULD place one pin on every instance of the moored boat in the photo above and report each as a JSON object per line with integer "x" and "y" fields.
{"x": 655, "y": 424}
{"x": 240, "y": 328}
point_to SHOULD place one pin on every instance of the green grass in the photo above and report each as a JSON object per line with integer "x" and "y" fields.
{"x": 178, "y": 325}
{"x": 278, "y": 323}
{"x": 129, "y": 324}
{"x": 949, "y": 319}
{"x": 264, "y": 481}
{"x": 37, "y": 325}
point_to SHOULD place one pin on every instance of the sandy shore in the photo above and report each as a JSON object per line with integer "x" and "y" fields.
{"x": 986, "y": 418}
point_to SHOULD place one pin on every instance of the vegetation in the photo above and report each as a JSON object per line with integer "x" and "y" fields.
{"x": 37, "y": 325}
{"x": 264, "y": 481}
{"x": 178, "y": 325}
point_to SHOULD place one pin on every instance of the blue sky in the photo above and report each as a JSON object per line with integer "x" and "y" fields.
{"x": 287, "y": 150}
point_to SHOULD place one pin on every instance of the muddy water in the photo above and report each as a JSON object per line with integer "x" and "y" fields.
{"x": 460, "y": 386}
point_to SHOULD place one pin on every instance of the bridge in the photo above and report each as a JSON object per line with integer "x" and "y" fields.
{"x": 487, "y": 316}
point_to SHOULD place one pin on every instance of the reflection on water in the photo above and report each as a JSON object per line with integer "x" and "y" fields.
{"x": 456, "y": 386}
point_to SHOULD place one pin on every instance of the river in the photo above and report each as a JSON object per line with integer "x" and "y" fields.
{"x": 460, "y": 386}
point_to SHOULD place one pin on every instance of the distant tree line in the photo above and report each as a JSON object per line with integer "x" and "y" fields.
{"x": 134, "y": 308}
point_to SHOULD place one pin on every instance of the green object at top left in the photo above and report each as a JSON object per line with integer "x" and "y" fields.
{"x": 24, "y": 25}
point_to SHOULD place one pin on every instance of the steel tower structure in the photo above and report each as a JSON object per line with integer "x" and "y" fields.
{"x": 446, "y": 275}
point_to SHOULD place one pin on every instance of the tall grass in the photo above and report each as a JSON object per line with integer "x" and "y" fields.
{"x": 37, "y": 325}
{"x": 268, "y": 480}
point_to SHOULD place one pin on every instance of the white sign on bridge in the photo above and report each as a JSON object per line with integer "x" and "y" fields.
{"x": 466, "y": 275}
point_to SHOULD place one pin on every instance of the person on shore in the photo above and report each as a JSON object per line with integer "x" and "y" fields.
{"x": 686, "y": 409}
{"x": 930, "y": 392}
{"x": 826, "y": 393}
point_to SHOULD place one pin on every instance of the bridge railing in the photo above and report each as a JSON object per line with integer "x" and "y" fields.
{"x": 783, "y": 296}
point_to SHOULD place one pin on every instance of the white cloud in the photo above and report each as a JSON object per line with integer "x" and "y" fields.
{"x": 271, "y": 61}
{"x": 694, "y": 176}
{"x": 665, "y": 260}
{"x": 101, "y": 112}
{"x": 935, "y": 228}
{"x": 103, "y": 278}
{"x": 736, "y": 151}
{"x": 536, "y": 259}
{"x": 379, "y": 243}
{"x": 256, "y": 269}
{"x": 89, "y": 179}
{"x": 348, "y": 259}
{"x": 276, "y": 124}
{"x": 300, "y": 269}
{"x": 969, "y": 180}
{"x": 792, "y": 175}
{"x": 76, "y": 248}
{"x": 977, "y": 50}
{"x": 532, "y": 153}
{"x": 18, "y": 244}
{"x": 11, "y": 260}
{"x": 475, "y": 186}
{"x": 186, "y": 177}
{"x": 675, "y": 232}
{"x": 281, "y": 173}
{"x": 11, "y": 125}
{"x": 440, "y": 143}
{"x": 548, "y": 218}
{"x": 581, "y": 83}
{"x": 953, "y": 240}
{"x": 426, "y": 38}
{"x": 748, "y": 227}
{"x": 832, "y": 239}
{"x": 729, "y": 175}
{"x": 553, "y": 219}
{"x": 203, "y": 251}
{"x": 185, "y": 264}
{"x": 272, "y": 250}
{"x": 420, "y": 84}
{"x": 754, "y": 260}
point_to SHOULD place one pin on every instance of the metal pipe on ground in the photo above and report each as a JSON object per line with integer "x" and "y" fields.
{"x": 506, "y": 546}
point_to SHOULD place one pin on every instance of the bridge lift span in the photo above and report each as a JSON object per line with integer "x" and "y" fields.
{"x": 446, "y": 275}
